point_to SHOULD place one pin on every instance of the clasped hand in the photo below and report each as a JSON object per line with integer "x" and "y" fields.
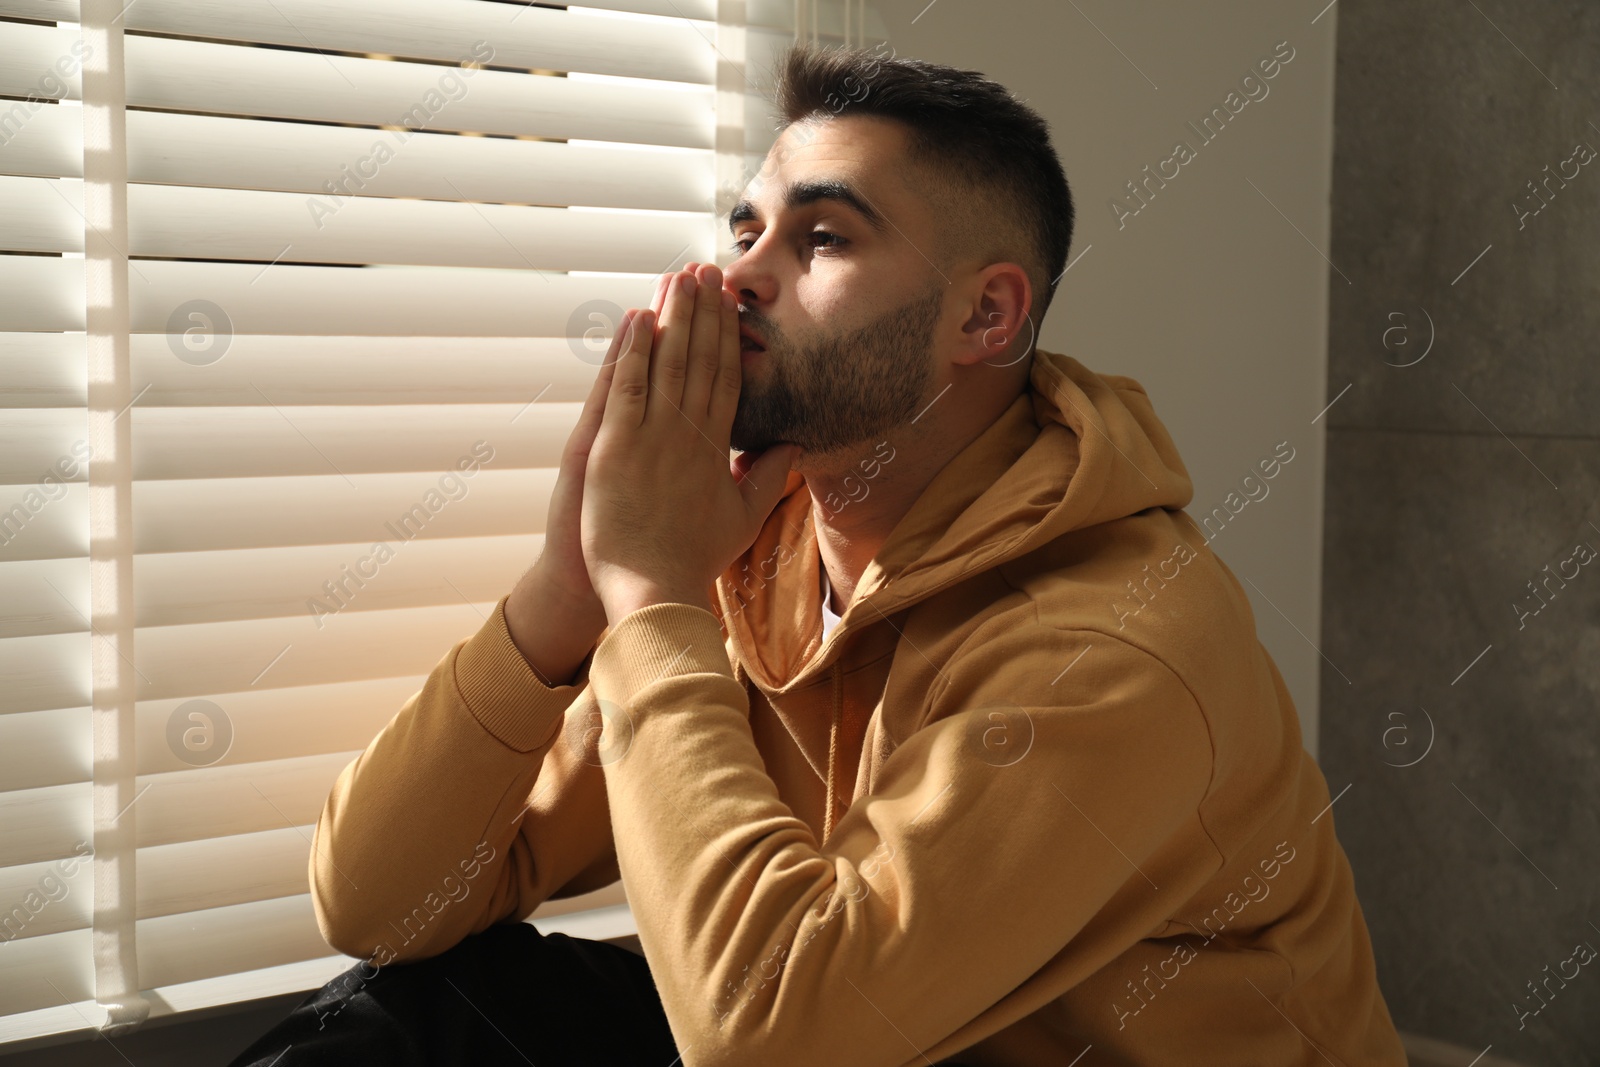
{"x": 664, "y": 509}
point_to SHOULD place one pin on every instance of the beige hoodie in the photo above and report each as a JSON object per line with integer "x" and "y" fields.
{"x": 1040, "y": 795}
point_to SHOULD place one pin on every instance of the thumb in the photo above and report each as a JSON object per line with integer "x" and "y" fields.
{"x": 765, "y": 477}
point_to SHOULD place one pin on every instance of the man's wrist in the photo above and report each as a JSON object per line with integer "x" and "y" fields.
{"x": 636, "y": 600}
{"x": 553, "y": 635}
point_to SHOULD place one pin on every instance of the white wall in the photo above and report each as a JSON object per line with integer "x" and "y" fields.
{"x": 1211, "y": 298}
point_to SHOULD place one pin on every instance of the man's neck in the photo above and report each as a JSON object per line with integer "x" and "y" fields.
{"x": 859, "y": 496}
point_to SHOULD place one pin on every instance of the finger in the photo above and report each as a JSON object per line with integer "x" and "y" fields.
{"x": 630, "y": 376}
{"x": 659, "y": 297}
{"x": 669, "y": 355}
{"x": 617, "y": 336}
{"x": 724, "y": 403}
{"x": 705, "y": 345}
{"x": 765, "y": 479}
{"x": 594, "y": 405}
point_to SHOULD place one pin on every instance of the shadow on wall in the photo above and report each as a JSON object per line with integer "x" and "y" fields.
{"x": 1463, "y": 469}
{"x": 1426, "y": 1052}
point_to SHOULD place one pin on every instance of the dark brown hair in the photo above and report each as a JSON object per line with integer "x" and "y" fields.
{"x": 988, "y": 152}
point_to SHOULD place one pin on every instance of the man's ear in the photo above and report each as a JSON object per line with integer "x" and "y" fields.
{"x": 999, "y": 332}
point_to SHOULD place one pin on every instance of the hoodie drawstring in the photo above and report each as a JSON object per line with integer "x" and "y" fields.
{"x": 833, "y": 747}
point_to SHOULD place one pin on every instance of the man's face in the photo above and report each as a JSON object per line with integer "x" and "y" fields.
{"x": 833, "y": 280}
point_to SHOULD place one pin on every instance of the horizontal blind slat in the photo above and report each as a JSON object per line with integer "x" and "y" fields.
{"x": 218, "y": 513}
{"x": 262, "y": 726}
{"x": 205, "y": 802}
{"x": 46, "y": 897}
{"x": 43, "y": 673}
{"x": 41, "y": 215}
{"x": 40, "y": 971}
{"x": 229, "y": 79}
{"x": 54, "y": 10}
{"x": 177, "y": 149}
{"x": 373, "y": 371}
{"x": 46, "y": 215}
{"x": 218, "y": 941}
{"x": 772, "y": 10}
{"x": 46, "y": 370}
{"x": 49, "y": 671}
{"x": 519, "y": 36}
{"x": 32, "y": 440}
{"x": 308, "y": 581}
{"x": 67, "y": 10}
{"x": 191, "y": 876}
{"x": 181, "y": 661}
{"x": 43, "y": 825}
{"x": 689, "y": 9}
{"x": 45, "y": 748}
{"x": 170, "y": 148}
{"x": 333, "y": 301}
{"x": 48, "y": 596}
{"x": 43, "y": 293}
{"x": 43, "y": 370}
{"x": 274, "y": 440}
{"x": 46, "y": 141}
{"x": 38, "y": 527}
{"x": 28, "y": 67}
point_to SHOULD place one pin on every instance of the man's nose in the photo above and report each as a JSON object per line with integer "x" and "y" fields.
{"x": 747, "y": 281}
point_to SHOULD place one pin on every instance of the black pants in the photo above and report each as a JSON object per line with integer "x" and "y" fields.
{"x": 509, "y": 995}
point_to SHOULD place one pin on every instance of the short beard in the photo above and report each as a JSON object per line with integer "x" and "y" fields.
{"x": 836, "y": 391}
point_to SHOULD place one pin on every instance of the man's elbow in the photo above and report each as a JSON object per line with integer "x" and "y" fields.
{"x": 341, "y": 921}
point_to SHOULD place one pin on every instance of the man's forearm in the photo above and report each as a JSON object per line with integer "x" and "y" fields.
{"x": 443, "y": 802}
{"x": 552, "y": 634}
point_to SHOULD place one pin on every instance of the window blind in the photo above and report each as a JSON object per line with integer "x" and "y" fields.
{"x": 298, "y": 305}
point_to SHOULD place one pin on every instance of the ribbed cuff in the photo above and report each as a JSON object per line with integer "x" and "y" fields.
{"x": 656, "y": 642}
{"x": 504, "y": 693}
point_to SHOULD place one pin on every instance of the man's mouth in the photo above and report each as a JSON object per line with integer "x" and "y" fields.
{"x": 749, "y": 342}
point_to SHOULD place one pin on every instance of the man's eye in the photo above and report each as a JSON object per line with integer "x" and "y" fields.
{"x": 742, "y": 245}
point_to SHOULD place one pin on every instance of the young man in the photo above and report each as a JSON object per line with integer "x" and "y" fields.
{"x": 931, "y": 731}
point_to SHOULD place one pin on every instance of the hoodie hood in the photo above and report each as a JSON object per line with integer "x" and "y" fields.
{"x": 1073, "y": 450}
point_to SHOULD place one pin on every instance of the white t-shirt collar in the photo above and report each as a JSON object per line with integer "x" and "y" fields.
{"x": 829, "y": 619}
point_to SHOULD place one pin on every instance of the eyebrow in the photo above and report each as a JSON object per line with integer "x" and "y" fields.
{"x": 799, "y": 194}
